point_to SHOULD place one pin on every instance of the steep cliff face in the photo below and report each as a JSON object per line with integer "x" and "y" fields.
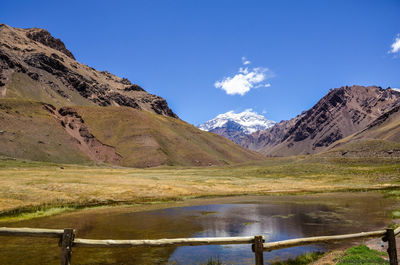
{"x": 45, "y": 38}
{"x": 35, "y": 65}
{"x": 342, "y": 112}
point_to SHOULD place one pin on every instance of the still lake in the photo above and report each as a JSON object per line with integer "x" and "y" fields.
{"x": 275, "y": 217}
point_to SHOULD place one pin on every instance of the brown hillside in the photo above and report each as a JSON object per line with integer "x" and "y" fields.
{"x": 35, "y": 65}
{"x": 379, "y": 138}
{"x": 118, "y": 135}
{"x": 54, "y": 108}
{"x": 342, "y": 112}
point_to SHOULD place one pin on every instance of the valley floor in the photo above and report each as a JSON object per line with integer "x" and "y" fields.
{"x": 30, "y": 186}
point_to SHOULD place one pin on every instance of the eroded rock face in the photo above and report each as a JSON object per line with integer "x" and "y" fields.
{"x": 45, "y": 38}
{"x": 160, "y": 106}
{"x": 341, "y": 112}
{"x": 45, "y": 59}
{"x": 75, "y": 126}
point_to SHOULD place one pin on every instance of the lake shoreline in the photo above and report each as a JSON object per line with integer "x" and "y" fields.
{"x": 31, "y": 212}
{"x": 34, "y": 189}
{"x": 300, "y": 215}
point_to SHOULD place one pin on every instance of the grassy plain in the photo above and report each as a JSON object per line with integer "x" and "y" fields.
{"x": 37, "y": 188}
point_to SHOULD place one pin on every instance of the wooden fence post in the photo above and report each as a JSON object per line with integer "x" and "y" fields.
{"x": 258, "y": 250}
{"x": 66, "y": 246}
{"x": 392, "y": 251}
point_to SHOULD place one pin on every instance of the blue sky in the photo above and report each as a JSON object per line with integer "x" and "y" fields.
{"x": 188, "y": 51}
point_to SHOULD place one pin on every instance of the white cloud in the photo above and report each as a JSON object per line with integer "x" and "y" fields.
{"x": 246, "y": 79}
{"x": 245, "y": 61}
{"x": 395, "y": 45}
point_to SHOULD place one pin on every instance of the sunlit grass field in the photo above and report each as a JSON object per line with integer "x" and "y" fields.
{"x": 44, "y": 188}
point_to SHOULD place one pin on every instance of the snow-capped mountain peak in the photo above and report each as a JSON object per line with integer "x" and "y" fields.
{"x": 248, "y": 120}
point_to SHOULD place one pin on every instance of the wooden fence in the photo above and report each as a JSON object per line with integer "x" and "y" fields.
{"x": 67, "y": 240}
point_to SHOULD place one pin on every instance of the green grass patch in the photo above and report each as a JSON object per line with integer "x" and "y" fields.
{"x": 396, "y": 214}
{"x": 362, "y": 255}
{"x": 306, "y": 258}
{"x": 392, "y": 193}
{"x": 36, "y": 214}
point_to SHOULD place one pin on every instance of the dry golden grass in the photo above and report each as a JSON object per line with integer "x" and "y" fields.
{"x": 32, "y": 185}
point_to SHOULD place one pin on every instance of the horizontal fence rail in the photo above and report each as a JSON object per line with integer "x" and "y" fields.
{"x": 68, "y": 240}
{"x": 36, "y": 232}
{"x": 164, "y": 242}
{"x": 319, "y": 239}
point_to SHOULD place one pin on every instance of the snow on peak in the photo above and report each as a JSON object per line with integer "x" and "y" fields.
{"x": 249, "y": 120}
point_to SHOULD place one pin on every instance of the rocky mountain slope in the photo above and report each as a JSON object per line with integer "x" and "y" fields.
{"x": 37, "y": 66}
{"x": 380, "y": 138}
{"x": 342, "y": 112}
{"x": 120, "y": 135}
{"x": 53, "y": 108}
{"x": 236, "y": 126}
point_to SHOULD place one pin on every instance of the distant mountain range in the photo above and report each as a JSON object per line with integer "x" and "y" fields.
{"x": 53, "y": 108}
{"x": 235, "y": 126}
{"x": 342, "y": 112}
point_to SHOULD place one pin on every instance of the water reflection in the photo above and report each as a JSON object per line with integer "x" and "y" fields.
{"x": 274, "y": 222}
{"x": 275, "y": 217}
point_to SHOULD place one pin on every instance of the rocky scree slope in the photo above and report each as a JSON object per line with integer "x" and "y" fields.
{"x": 35, "y": 65}
{"x": 342, "y": 112}
{"x": 380, "y": 138}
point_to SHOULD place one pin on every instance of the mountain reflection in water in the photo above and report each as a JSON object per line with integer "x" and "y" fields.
{"x": 275, "y": 217}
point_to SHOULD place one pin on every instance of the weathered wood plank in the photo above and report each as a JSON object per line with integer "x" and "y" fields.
{"x": 319, "y": 239}
{"x": 397, "y": 231}
{"x": 34, "y": 232}
{"x": 258, "y": 250}
{"x": 67, "y": 241}
{"x": 79, "y": 242}
{"x": 66, "y": 246}
{"x": 392, "y": 251}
